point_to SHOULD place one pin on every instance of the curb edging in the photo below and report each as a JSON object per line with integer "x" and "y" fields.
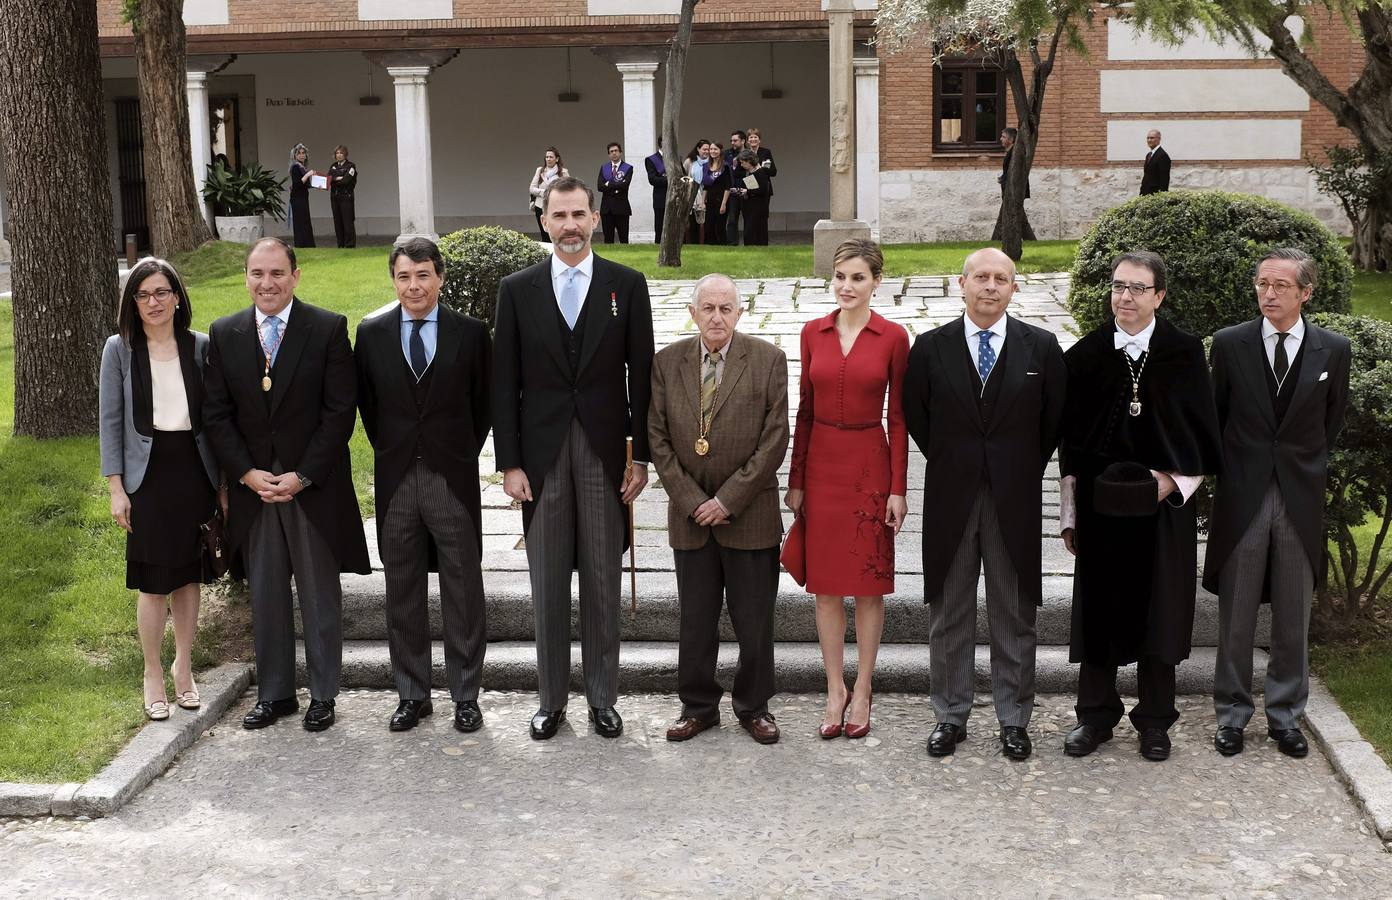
{"x": 141, "y": 761}
{"x": 1355, "y": 761}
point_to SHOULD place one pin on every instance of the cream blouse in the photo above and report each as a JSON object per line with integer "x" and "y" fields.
{"x": 171, "y": 412}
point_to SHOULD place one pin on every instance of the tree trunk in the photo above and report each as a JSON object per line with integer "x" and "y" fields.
{"x": 1372, "y": 237}
{"x": 64, "y": 274}
{"x": 1012, "y": 224}
{"x": 176, "y": 211}
{"x": 679, "y": 197}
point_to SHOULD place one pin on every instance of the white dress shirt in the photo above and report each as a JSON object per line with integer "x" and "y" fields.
{"x": 1294, "y": 337}
{"x": 997, "y": 340}
{"x": 585, "y": 271}
{"x": 1135, "y": 344}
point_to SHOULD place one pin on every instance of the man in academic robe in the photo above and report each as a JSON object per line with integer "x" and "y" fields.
{"x": 423, "y": 378}
{"x": 1155, "y": 175}
{"x": 1281, "y": 385}
{"x": 657, "y": 177}
{"x": 279, "y": 407}
{"x": 983, "y": 398}
{"x": 719, "y": 431}
{"x": 615, "y": 176}
{"x": 572, "y": 362}
{"x": 1140, "y": 432}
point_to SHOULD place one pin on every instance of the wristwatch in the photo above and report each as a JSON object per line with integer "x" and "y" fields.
{"x": 304, "y": 482}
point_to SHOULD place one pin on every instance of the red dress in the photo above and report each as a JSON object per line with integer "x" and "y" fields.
{"x": 841, "y": 458}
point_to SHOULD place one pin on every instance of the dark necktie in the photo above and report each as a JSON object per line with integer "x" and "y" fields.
{"x": 1281, "y": 364}
{"x": 1149, "y": 155}
{"x": 417, "y": 347}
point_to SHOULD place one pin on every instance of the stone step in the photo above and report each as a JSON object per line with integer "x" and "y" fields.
{"x": 510, "y": 616}
{"x": 651, "y": 666}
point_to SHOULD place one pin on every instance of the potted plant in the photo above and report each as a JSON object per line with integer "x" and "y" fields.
{"x": 241, "y": 197}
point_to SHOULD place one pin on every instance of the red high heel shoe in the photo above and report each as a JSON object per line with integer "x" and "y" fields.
{"x": 831, "y": 731}
{"x": 860, "y": 731}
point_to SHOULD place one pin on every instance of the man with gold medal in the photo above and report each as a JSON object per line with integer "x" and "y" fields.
{"x": 718, "y": 430}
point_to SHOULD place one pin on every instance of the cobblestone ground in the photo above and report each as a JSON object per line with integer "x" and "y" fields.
{"x": 359, "y": 811}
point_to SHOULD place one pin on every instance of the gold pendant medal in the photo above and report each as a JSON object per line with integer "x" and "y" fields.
{"x": 702, "y": 446}
{"x": 266, "y": 383}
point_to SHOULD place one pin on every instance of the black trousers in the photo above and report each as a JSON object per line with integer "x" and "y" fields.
{"x": 659, "y": 213}
{"x": 1100, "y": 705}
{"x": 613, "y": 223}
{"x": 733, "y": 211}
{"x": 542, "y": 231}
{"x": 756, "y": 216}
{"x": 746, "y": 581}
{"x": 345, "y": 230}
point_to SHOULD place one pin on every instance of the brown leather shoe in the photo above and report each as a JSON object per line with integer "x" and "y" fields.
{"x": 761, "y": 728}
{"x": 687, "y": 727}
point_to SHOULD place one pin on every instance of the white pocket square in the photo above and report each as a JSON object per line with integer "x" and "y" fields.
{"x": 1323, "y": 376}
{"x": 1031, "y": 373}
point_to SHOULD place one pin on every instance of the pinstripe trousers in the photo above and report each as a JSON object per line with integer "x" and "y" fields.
{"x": 1270, "y": 551}
{"x": 952, "y": 626}
{"x": 421, "y": 510}
{"x": 579, "y": 523}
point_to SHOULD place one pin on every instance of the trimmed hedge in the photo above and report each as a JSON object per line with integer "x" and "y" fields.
{"x": 1210, "y": 241}
{"x": 476, "y": 260}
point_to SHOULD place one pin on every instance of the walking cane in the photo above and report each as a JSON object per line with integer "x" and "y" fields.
{"x": 632, "y": 567}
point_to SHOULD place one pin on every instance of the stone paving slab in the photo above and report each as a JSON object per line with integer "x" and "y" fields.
{"x": 433, "y": 813}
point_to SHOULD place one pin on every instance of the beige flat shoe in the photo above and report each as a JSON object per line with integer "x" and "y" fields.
{"x": 157, "y": 711}
{"x": 188, "y": 699}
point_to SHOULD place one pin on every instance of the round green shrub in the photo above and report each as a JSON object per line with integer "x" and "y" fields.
{"x": 1210, "y": 241}
{"x": 476, "y": 260}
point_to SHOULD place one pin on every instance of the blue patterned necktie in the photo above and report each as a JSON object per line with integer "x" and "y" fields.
{"x": 570, "y": 298}
{"x": 272, "y": 324}
{"x": 985, "y": 356}
{"x": 417, "y": 345}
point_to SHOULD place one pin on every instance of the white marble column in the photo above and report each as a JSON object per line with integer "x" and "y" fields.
{"x": 867, "y": 107}
{"x": 415, "y": 175}
{"x": 640, "y": 141}
{"x": 842, "y": 224}
{"x": 200, "y": 135}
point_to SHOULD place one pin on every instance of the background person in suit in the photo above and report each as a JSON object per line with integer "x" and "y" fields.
{"x": 279, "y": 408}
{"x": 1007, "y": 140}
{"x": 657, "y": 177}
{"x": 423, "y": 372}
{"x": 158, "y": 466}
{"x": 1281, "y": 385}
{"x": 754, "y": 201}
{"x": 572, "y": 364}
{"x": 983, "y": 398}
{"x": 343, "y": 180}
{"x": 1155, "y": 176}
{"x": 719, "y": 429}
{"x": 615, "y": 176}
{"x": 733, "y": 210}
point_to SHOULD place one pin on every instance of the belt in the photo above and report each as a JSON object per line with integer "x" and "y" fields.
{"x": 848, "y": 426}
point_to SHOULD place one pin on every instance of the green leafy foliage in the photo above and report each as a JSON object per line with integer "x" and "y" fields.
{"x": 476, "y": 260}
{"x": 250, "y": 190}
{"x": 1358, "y": 178}
{"x": 1211, "y": 242}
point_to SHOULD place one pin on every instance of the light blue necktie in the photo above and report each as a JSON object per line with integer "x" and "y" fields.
{"x": 985, "y": 356}
{"x": 273, "y": 339}
{"x": 570, "y": 298}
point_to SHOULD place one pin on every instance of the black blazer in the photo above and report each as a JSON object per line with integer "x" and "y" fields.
{"x": 535, "y": 392}
{"x": 1156, "y": 175}
{"x": 1256, "y": 448}
{"x": 658, "y": 180}
{"x": 304, "y": 422}
{"x": 614, "y": 194}
{"x": 1006, "y": 444}
{"x": 449, "y": 427}
{"x": 766, "y": 156}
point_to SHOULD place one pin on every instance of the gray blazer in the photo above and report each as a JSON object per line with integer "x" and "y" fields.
{"x": 125, "y": 451}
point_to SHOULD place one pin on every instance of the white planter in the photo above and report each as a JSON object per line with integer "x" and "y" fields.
{"x": 240, "y": 229}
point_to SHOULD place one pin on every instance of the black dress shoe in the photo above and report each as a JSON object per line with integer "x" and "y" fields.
{"x": 1085, "y": 738}
{"x": 319, "y": 716}
{"x": 409, "y": 713}
{"x": 1289, "y": 741}
{"x": 1015, "y": 742}
{"x": 1155, "y": 744}
{"x": 544, "y": 724}
{"x": 606, "y": 721}
{"x": 1228, "y": 740}
{"x": 467, "y": 716}
{"x": 265, "y": 712}
{"x": 945, "y": 738}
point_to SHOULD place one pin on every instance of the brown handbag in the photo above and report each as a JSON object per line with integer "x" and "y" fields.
{"x": 213, "y": 536}
{"x": 794, "y": 555}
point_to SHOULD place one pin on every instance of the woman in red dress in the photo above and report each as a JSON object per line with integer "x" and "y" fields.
{"x": 847, "y": 481}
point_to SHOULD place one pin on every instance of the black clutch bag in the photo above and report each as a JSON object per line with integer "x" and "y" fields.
{"x": 213, "y": 536}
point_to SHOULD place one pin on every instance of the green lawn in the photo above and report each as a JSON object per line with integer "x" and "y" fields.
{"x": 1361, "y": 678}
{"x": 1372, "y": 294}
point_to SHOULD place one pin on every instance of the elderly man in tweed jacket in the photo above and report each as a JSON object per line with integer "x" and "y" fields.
{"x": 719, "y": 431}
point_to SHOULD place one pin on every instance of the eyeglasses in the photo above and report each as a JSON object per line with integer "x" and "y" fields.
{"x": 160, "y": 294}
{"x": 1134, "y": 288}
{"x": 1280, "y": 287}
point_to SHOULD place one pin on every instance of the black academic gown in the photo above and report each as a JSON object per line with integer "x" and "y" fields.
{"x": 1134, "y": 579}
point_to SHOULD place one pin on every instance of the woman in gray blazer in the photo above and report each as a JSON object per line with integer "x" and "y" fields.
{"x": 161, "y": 472}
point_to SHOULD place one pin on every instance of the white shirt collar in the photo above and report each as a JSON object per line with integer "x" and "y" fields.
{"x": 1297, "y": 331}
{"x": 586, "y": 266}
{"x": 1140, "y": 341}
{"x": 997, "y": 328}
{"x": 283, "y": 315}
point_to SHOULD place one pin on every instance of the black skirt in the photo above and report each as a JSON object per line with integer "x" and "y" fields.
{"x": 163, "y": 551}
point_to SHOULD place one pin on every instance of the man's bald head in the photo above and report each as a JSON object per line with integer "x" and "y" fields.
{"x": 991, "y": 256}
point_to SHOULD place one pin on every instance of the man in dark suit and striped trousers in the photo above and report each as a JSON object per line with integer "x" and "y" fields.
{"x": 573, "y": 350}
{"x": 1281, "y": 385}
{"x": 423, "y": 373}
